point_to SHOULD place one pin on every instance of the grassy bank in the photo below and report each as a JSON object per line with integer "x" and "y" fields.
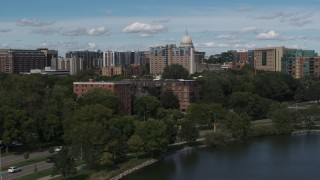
{"x": 37, "y": 175}
{"x": 109, "y": 173}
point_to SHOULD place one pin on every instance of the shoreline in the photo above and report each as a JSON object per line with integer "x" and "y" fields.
{"x": 131, "y": 170}
{"x": 152, "y": 161}
{"x": 315, "y": 131}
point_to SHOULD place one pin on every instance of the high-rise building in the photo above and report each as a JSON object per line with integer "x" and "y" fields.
{"x": 50, "y": 54}
{"x": 91, "y": 59}
{"x": 268, "y": 59}
{"x": 162, "y": 56}
{"x": 300, "y": 63}
{"x": 19, "y": 61}
{"x": 116, "y": 58}
{"x": 73, "y": 64}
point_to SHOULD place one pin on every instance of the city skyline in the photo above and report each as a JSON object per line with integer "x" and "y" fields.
{"x": 68, "y": 25}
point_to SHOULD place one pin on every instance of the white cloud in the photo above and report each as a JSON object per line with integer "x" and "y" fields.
{"x": 138, "y": 27}
{"x": 46, "y": 31}
{"x": 274, "y": 16}
{"x": 4, "y": 46}
{"x": 161, "y": 21}
{"x": 245, "y": 46}
{"x": 80, "y": 31}
{"x": 244, "y": 9}
{"x": 98, "y": 31}
{"x": 247, "y": 30}
{"x": 33, "y": 22}
{"x": 92, "y": 46}
{"x": 145, "y": 35}
{"x": 270, "y": 35}
{"x": 227, "y": 37}
{"x": 211, "y": 45}
{"x": 295, "y": 19}
{"x": 4, "y": 30}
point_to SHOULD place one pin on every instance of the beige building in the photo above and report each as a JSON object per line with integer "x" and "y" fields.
{"x": 110, "y": 71}
{"x": 162, "y": 56}
{"x": 268, "y": 59}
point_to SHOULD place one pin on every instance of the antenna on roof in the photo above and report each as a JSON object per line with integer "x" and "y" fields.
{"x": 305, "y": 44}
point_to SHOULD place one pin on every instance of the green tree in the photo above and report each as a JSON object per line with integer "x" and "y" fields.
{"x": 135, "y": 144}
{"x": 153, "y": 134}
{"x": 238, "y": 124}
{"x": 52, "y": 130}
{"x": 310, "y": 116}
{"x": 216, "y": 139}
{"x": 315, "y": 91}
{"x": 282, "y": 118}
{"x": 246, "y": 102}
{"x": 175, "y": 71}
{"x": 169, "y": 100}
{"x": 188, "y": 132}
{"x": 271, "y": 85}
{"x": 206, "y": 114}
{"x": 64, "y": 164}
{"x": 146, "y": 107}
{"x": 103, "y": 97}
{"x": 51, "y": 150}
{"x": 26, "y": 155}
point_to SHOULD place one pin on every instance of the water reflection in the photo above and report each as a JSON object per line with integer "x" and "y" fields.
{"x": 265, "y": 158}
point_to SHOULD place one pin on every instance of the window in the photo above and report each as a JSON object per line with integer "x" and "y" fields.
{"x": 264, "y": 58}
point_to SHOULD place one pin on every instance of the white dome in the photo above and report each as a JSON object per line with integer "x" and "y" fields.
{"x": 186, "y": 40}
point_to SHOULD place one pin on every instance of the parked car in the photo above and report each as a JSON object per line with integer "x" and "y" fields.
{"x": 14, "y": 169}
{"x": 17, "y": 143}
{"x": 57, "y": 149}
{"x": 50, "y": 159}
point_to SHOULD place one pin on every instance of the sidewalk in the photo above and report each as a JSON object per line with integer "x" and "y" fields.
{"x": 52, "y": 177}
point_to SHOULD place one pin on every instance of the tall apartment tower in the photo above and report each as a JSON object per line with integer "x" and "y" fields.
{"x": 300, "y": 63}
{"x": 14, "y": 61}
{"x": 50, "y": 54}
{"x": 162, "y": 56}
{"x": 268, "y": 59}
{"x": 91, "y": 59}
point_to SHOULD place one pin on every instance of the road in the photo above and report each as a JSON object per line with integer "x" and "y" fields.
{"x": 13, "y": 159}
{"x": 27, "y": 170}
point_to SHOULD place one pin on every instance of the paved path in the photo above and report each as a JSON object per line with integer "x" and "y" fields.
{"x": 13, "y": 159}
{"x": 25, "y": 170}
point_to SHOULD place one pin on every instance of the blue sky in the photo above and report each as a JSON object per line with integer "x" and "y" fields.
{"x": 214, "y": 26}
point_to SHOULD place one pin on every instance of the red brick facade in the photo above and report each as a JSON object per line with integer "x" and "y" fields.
{"x": 123, "y": 90}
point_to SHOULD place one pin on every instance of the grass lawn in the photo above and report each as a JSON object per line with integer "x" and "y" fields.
{"x": 37, "y": 175}
{"x": 82, "y": 174}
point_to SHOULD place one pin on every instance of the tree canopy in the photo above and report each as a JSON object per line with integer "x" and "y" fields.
{"x": 175, "y": 71}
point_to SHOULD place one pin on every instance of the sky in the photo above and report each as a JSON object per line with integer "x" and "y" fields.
{"x": 215, "y": 26}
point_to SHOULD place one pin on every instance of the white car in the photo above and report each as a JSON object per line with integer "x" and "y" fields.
{"x": 13, "y": 169}
{"x": 57, "y": 149}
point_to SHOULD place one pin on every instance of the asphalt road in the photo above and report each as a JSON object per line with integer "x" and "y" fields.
{"x": 13, "y": 159}
{"x": 27, "y": 170}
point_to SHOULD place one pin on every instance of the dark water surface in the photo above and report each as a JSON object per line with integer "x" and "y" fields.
{"x": 267, "y": 158}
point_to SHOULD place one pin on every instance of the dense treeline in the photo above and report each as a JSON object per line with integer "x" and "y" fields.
{"x": 40, "y": 110}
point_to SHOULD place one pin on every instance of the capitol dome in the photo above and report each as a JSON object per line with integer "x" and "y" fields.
{"x": 186, "y": 40}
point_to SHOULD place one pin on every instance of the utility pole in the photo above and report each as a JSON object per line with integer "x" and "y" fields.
{"x": 0, "y": 165}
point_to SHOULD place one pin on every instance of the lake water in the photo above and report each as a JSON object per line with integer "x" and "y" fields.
{"x": 267, "y": 158}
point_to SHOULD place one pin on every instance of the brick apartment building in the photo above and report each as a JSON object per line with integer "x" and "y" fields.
{"x": 188, "y": 91}
{"x": 122, "y": 89}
